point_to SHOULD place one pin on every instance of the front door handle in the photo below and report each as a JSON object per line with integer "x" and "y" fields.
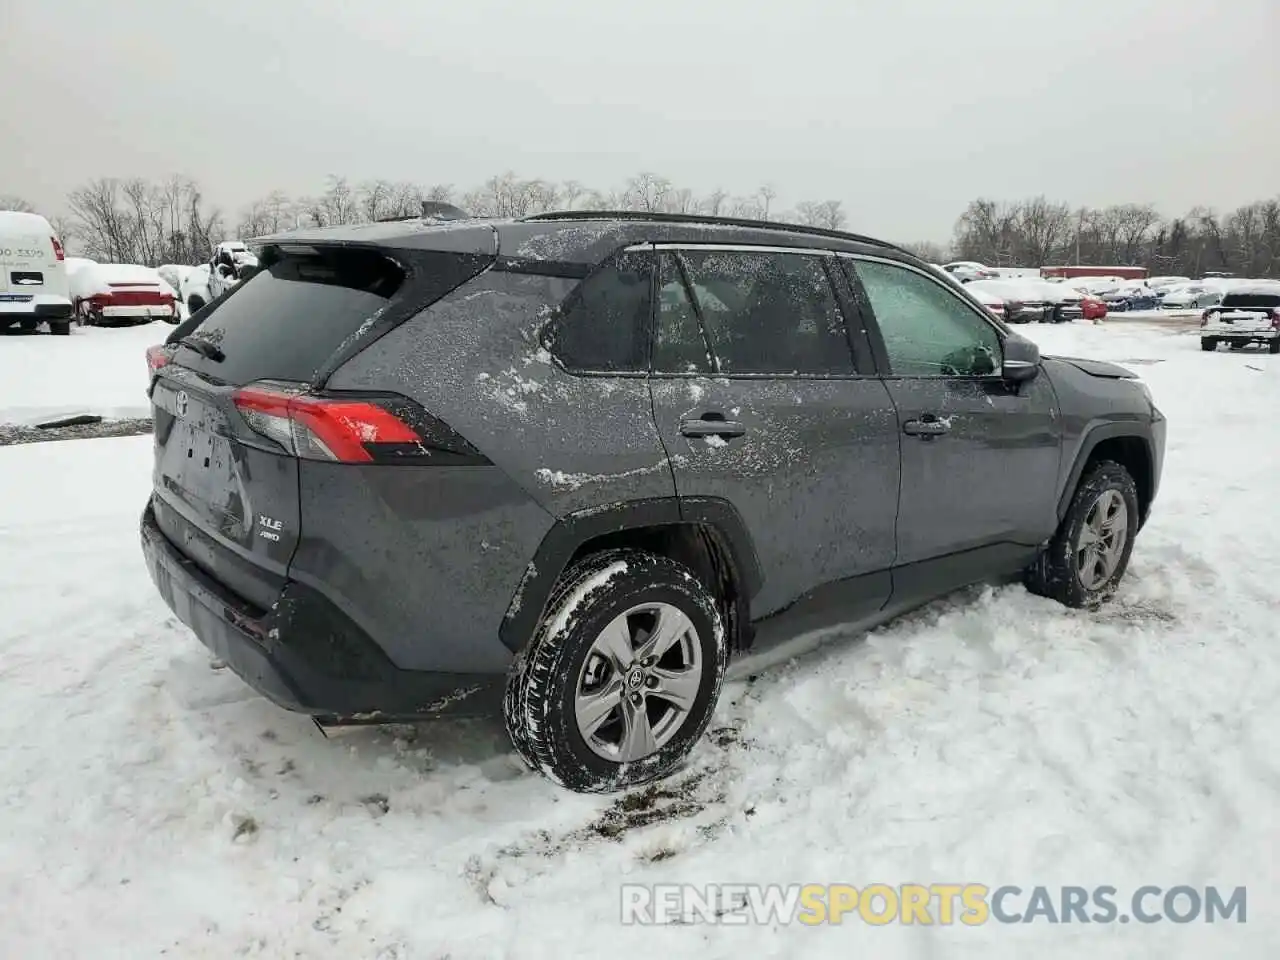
{"x": 711, "y": 427}
{"x": 928, "y": 426}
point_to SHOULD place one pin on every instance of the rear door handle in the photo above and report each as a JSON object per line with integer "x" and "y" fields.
{"x": 926, "y": 427}
{"x": 711, "y": 427}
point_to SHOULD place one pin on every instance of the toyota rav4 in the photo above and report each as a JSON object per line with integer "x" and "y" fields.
{"x": 574, "y": 465}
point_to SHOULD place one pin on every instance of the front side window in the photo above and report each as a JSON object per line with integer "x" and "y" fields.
{"x": 604, "y": 323}
{"x": 927, "y": 330}
{"x": 768, "y": 313}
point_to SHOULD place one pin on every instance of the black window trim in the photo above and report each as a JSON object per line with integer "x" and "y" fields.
{"x": 878, "y": 349}
{"x": 860, "y": 371}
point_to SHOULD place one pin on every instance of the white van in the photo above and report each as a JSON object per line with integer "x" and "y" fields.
{"x": 33, "y": 274}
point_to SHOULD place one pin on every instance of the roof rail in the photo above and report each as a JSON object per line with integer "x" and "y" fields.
{"x": 712, "y": 221}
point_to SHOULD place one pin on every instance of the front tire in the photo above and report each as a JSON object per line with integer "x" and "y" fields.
{"x": 1208, "y": 344}
{"x": 621, "y": 676}
{"x": 60, "y": 328}
{"x": 1273, "y": 346}
{"x": 1089, "y": 554}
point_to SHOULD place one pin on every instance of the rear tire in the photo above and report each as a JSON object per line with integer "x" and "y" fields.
{"x": 578, "y": 713}
{"x": 1089, "y": 554}
{"x": 1208, "y": 344}
{"x": 194, "y": 303}
{"x": 60, "y": 328}
{"x": 1273, "y": 346}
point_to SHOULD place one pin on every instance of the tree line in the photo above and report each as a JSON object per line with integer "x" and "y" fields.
{"x": 170, "y": 221}
{"x": 1038, "y": 232}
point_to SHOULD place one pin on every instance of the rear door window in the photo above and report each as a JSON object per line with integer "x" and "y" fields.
{"x": 767, "y": 312}
{"x": 289, "y": 318}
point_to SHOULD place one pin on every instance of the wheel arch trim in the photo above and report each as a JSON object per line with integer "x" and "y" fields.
{"x": 568, "y": 535}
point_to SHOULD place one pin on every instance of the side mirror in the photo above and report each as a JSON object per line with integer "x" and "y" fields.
{"x": 1021, "y": 359}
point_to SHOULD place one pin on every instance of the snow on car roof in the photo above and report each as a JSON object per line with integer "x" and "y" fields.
{"x": 86, "y": 278}
{"x": 21, "y": 220}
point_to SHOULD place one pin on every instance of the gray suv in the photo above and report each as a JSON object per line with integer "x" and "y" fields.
{"x": 574, "y": 464}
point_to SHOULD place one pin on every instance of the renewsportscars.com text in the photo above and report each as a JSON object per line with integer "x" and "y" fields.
{"x": 970, "y": 904}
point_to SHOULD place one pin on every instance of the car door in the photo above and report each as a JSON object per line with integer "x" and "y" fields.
{"x": 980, "y": 455}
{"x": 761, "y": 404}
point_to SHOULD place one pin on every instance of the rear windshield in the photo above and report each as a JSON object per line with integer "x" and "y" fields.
{"x": 1252, "y": 301}
{"x": 290, "y": 317}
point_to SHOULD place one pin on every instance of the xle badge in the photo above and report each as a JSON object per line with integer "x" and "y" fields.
{"x": 270, "y": 529}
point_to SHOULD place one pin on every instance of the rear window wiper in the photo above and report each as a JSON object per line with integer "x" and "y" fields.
{"x": 203, "y": 347}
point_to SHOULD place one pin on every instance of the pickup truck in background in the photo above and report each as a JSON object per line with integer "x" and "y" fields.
{"x": 1246, "y": 315}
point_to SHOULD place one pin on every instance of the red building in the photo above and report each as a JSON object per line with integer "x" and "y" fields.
{"x": 1067, "y": 273}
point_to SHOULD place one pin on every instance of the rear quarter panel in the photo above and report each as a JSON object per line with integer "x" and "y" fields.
{"x": 451, "y": 551}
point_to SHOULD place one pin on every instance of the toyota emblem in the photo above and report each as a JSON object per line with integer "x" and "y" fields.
{"x": 181, "y": 402}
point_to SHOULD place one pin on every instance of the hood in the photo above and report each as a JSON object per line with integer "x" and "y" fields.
{"x": 1099, "y": 368}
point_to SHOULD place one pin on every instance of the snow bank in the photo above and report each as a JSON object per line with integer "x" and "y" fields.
{"x": 96, "y": 371}
{"x": 152, "y": 804}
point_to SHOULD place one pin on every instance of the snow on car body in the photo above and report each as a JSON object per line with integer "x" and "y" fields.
{"x": 120, "y": 293}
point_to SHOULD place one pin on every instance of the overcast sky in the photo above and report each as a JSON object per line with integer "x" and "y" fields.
{"x": 903, "y": 109}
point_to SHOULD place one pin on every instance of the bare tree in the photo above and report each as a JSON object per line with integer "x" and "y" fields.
{"x": 713, "y": 204}
{"x": 766, "y": 194}
{"x": 12, "y": 203}
{"x": 646, "y": 192}
{"x": 828, "y": 214}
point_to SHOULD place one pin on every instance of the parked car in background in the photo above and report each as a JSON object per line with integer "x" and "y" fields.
{"x": 968, "y": 270}
{"x": 33, "y": 274}
{"x": 991, "y": 301}
{"x": 1131, "y": 296}
{"x": 1191, "y": 296}
{"x": 232, "y": 262}
{"x": 120, "y": 293}
{"x": 1246, "y": 315}
{"x": 1025, "y": 300}
{"x": 1163, "y": 283}
{"x": 342, "y": 512}
{"x": 194, "y": 289}
{"x": 1092, "y": 307}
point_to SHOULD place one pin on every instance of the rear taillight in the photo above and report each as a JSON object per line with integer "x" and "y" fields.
{"x": 157, "y": 357}
{"x": 1204, "y": 317}
{"x": 365, "y": 429}
{"x": 58, "y": 252}
{"x": 1275, "y": 319}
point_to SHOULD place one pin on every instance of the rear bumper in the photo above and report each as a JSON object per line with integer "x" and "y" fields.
{"x": 304, "y": 654}
{"x": 1236, "y": 333}
{"x": 40, "y": 306}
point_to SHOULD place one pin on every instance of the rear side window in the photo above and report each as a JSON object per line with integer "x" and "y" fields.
{"x": 768, "y": 313}
{"x": 288, "y": 319}
{"x": 603, "y": 326}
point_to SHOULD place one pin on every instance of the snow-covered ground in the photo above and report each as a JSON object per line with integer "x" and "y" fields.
{"x": 149, "y": 803}
{"x": 96, "y": 370}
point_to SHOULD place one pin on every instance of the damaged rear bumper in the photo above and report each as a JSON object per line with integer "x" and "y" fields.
{"x": 304, "y": 654}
